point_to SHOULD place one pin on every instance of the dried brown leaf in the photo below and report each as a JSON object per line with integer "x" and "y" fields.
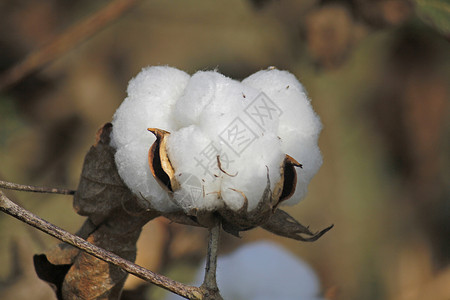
{"x": 115, "y": 219}
{"x": 101, "y": 190}
{"x": 52, "y": 274}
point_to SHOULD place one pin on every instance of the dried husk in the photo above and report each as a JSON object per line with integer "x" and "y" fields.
{"x": 159, "y": 162}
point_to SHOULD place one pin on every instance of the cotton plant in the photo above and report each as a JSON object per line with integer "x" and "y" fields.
{"x": 202, "y": 150}
{"x": 207, "y": 146}
{"x": 263, "y": 271}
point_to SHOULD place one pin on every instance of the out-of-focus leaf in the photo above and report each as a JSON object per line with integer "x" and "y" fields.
{"x": 435, "y": 13}
{"x": 21, "y": 281}
{"x": 330, "y": 33}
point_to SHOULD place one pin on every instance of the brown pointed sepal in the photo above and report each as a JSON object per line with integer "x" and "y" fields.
{"x": 159, "y": 162}
{"x": 282, "y": 224}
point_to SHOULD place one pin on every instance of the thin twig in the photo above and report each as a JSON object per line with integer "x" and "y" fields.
{"x": 65, "y": 42}
{"x": 31, "y": 188}
{"x": 9, "y": 207}
{"x": 210, "y": 282}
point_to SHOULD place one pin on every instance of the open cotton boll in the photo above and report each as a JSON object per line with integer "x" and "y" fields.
{"x": 201, "y": 189}
{"x": 160, "y": 84}
{"x": 223, "y": 140}
{"x": 137, "y": 176}
{"x": 229, "y": 102}
{"x": 151, "y": 96}
{"x": 263, "y": 271}
{"x": 273, "y": 79}
{"x": 288, "y": 94}
{"x": 243, "y": 173}
{"x": 199, "y": 91}
{"x": 251, "y": 174}
{"x": 299, "y": 127}
{"x": 310, "y": 157}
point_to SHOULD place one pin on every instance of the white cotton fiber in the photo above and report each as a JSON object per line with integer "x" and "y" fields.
{"x": 151, "y": 96}
{"x": 299, "y": 125}
{"x": 184, "y": 147}
{"x": 199, "y": 92}
{"x": 263, "y": 271}
{"x": 136, "y": 174}
{"x": 225, "y": 138}
{"x": 251, "y": 178}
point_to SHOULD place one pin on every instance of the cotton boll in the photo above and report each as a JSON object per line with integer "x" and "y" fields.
{"x": 305, "y": 150}
{"x": 225, "y": 137}
{"x": 124, "y": 129}
{"x": 212, "y": 101}
{"x": 285, "y": 90}
{"x": 273, "y": 80}
{"x": 192, "y": 153}
{"x": 132, "y": 119}
{"x": 137, "y": 176}
{"x": 298, "y": 114}
{"x": 132, "y": 161}
{"x": 299, "y": 125}
{"x": 263, "y": 271}
{"x": 151, "y": 96}
{"x": 199, "y": 91}
{"x": 160, "y": 82}
{"x": 226, "y": 106}
{"x": 157, "y": 89}
{"x": 222, "y": 117}
{"x": 261, "y": 160}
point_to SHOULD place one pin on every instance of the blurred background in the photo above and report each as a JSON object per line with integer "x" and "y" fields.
{"x": 378, "y": 74}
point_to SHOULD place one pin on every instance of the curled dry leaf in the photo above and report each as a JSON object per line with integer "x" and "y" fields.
{"x": 282, "y": 224}
{"x": 115, "y": 218}
{"x": 51, "y": 273}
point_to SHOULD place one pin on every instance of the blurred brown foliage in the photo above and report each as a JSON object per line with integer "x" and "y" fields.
{"x": 376, "y": 73}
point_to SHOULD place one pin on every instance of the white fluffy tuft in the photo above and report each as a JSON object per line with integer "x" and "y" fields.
{"x": 250, "y": 125}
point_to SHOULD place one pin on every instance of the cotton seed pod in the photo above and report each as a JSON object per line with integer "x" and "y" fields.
{"x": 206, "y": 145}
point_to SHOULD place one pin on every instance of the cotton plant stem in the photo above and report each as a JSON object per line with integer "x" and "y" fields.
{"x": 37, "y": 189}
{"x": 210, "y": 282}
{"x": 9, "y": 207}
